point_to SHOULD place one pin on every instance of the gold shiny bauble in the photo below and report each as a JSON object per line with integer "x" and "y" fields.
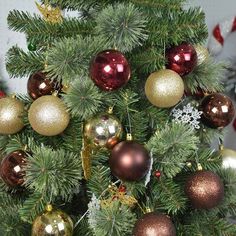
{"x": 202, "y": 54}
{"x": 11, "y": 111}
{"x": 229, "y": 158}
{"x": 103, "y": 130}
{"x": 54, "y": 222}
{"x": 164, "y": 88}
{"x": 48, "y": 115}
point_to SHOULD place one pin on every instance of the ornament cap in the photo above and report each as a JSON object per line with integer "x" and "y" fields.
{"x": 49, "y": 208}
{"x": 110, "y": 110}
{"x": 129, "y": 137}
{"x": 199, "y": 167}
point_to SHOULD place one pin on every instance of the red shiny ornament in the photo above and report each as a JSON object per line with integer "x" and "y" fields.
{"x": 129, "y": 161}
{"x": 38, "y": 85}
{"x": 157, "y": 174}
{"x": 182, "y": 59}
{"x": 122, "y": 189}
{"x": 110, "y": 70}
{"x": 2, "y": 94}
{"x": 11, "y": 168}
{"x": 218, "y": 110}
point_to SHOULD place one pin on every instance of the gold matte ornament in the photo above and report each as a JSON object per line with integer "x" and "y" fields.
{"x": 164, "y": 88}
{"x": 48, "y": 115}
{"x": 202, "y": 54}
{"x": 11, "y": 111}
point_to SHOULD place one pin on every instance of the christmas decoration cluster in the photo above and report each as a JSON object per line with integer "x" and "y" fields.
{"x": 104, "y": 139}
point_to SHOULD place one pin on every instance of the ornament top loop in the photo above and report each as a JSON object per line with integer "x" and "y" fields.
{"x": 49, "y": 208}
{"x": 110, "y": 110}
{"x": 129, "y": 137}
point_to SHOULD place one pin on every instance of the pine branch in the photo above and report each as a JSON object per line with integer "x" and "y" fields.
{"x": 171, "y": 147}
{"x": 71, "y": 57}
{"x": 121, "y": 26}
{"x": 20, "y": 63}
{"x": 168, "y": 196}
{"x": 83, "y": 99}
{"x": 115, "y": 220}
{"x": 55, "y": 173}
{"x": 38, "y": 30}
{"x": 33, "y": 206}
{"x": 208, "y": 76}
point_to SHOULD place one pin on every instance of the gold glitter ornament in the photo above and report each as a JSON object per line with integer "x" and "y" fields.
{"x": 11, "y": 111}
{"x": 202, "y": 54}
{"x": 229, "y": 158}
{"x": 48, "y": 115}
{"x": 164, "y": 88}
{"x": 52, "y": 222}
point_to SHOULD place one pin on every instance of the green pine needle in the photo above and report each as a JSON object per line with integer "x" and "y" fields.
{"x": 83, "y": 98}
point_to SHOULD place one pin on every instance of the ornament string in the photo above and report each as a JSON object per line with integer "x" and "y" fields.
{"x": 84, "y": 215}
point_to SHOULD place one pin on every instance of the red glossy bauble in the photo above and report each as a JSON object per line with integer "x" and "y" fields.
{"x": 129, "y": 161}
{"x": 218, "y": 110}
{"x": 38, "y": 85}
{"x": 182, "y": 58}
{"x": 110, "y": 70}
{"x": 11, "y": 168}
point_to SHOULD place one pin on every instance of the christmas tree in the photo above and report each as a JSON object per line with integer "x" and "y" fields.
{"x": 114, "y": 136}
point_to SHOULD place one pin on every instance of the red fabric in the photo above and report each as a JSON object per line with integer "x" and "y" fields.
{"x": 234, "y": 25}
{"x": 217, "y": 34}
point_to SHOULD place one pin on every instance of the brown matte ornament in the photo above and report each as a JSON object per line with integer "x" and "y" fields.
{"x": 48, "y": 115}
{"x": 204, "y": 189}
{"x": 11, "y": 168}
{"x": 11, "y": 111}
{"x": 154, "y": 224}
{"x": 164, "y": 88}
{"x": 103, "y": 130}
{"x": 218, "y": 110}
{"x": 53, "y": 222}
{"x": 129, "y": 161}
{"x": 38, "y": 85}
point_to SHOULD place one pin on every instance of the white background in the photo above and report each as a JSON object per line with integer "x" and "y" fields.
{"x": 216, "y": 11}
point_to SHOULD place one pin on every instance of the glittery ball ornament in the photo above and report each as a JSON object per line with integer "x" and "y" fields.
{"x": 202, "y": 54}
{"x": 204, "y": 189}
{"x": 164, "y": 88}
{"x": 154, "y": 224}
{"x": 218, "y": 110}
{"x": 38, "y": 85}
{"x": 11, "y": 168}
{"x": 11, "y": 112}
{"x": 103, "y": 130}
{"x": 110, "y": 70}
{"x": 52, "y": 222}
{"x": 48, "y": 115}
{"x": 129, "y": 161}
{"x": 229, "y": 158}
{"x": 182, "y": 58}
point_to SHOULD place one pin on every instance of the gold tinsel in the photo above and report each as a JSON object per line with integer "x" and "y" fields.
{"x": 50, "y": 14}
{"x": 117, "y": 195}
{"x": 86, "y": 159}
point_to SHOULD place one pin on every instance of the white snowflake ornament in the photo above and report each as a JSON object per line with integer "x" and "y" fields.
{"x": 188, "y": 115}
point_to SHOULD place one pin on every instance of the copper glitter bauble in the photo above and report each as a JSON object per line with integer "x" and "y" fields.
{"x": 202, "y": 54}
{"x": 11, "y": 168}
{"x": 204, "y": 189}
{"x": 129, "y": 161}
{"x": 55, "y": 222}
{"x": 11, "y": 111}
{"x": 110, "y": 70}
{"x": 154, "y": 224}
{"x": 218, "y": 110}
{"x": 48, "y": 115}
{"x": 103, "y": 130}
{"x": 164, "y": 88}
{"x": 182, "y": 58}
{"x": 38, "y": 85}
